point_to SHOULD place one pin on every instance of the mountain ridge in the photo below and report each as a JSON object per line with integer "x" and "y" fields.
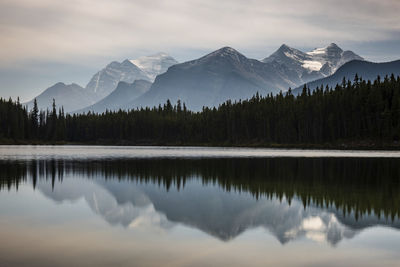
{"x": 101, "y": 84}
{"x": 73, "y": 95}
{"x": 214, "y": 78}
{"x": 155, "y": 64}
{"x": 312, "y": 65}
{"x": 364, "y": 69}
{"x": 123, "y": 94}
{"x": 106, "y": 80}
{"x": 211, "y": 79}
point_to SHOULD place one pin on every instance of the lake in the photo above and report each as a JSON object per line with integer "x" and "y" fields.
{"x": 171, "y": 206}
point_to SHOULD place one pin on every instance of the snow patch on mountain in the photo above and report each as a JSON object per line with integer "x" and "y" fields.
{"x": 292, "y": 55}
{"x": 315, "y": 64}
{"x": 143, "y": 68}
{"x": 154, "y": 65}
{"x": 317, "y": 51}
{"x": 332, "y": 55}
{"x": 312, "y": 65}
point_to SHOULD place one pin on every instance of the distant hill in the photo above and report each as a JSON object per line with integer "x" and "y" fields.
{"x": 70, "y": 96}
{"x": 122, "y": 95}
{"x": 364, "y": 69}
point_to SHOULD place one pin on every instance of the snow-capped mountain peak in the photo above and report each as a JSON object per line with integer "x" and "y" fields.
{"x": 106, "y": 80}
{"x": 154, "y": 65}
{"x": 332, "y": 48}
{"x": 317, "y": 51}
{"x": 331, "y": 58}
{"x": 318, "y": 63}
{"x": 143, "y": 68}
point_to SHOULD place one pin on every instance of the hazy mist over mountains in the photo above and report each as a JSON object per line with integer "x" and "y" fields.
{"x": 222, "y": 75}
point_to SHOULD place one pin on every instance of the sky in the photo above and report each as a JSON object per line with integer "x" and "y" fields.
{"x": 47, "y": 41}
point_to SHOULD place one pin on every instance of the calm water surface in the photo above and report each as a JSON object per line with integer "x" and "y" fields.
{"x": 140, "y": 206}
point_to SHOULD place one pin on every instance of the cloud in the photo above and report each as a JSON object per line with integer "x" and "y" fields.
{"x": 67, "y": 30}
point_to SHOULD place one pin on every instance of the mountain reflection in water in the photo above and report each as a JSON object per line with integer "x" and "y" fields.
{"x": 322, "y": 199}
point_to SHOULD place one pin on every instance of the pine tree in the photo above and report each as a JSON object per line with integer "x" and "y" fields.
{"x": 34, "y": 118}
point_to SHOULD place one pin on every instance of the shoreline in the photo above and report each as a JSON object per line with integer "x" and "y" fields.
{"x": 326, "y": 146}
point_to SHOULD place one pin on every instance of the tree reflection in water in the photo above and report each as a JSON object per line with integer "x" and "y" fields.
{"x": 321, "y": 198}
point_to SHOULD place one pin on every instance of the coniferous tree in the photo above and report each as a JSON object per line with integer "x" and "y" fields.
{"x": 34, "y": 119}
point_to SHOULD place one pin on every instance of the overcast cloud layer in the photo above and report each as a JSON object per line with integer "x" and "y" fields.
{"x": 46, "y": 41}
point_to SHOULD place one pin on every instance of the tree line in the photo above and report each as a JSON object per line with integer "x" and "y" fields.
{"x": 352, "y": 111}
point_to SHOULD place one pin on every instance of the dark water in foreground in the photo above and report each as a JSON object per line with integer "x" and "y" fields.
{"x": 104, "y": 206}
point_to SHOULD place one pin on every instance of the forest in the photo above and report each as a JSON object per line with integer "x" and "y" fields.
{"x": 354, "y": 112}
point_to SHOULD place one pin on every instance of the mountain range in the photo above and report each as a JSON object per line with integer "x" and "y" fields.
{"x": 209, "y": 80}
{"x": 227, "y": 74}
{"x": 212, "y": 79}
{"x": 103, "y": 83}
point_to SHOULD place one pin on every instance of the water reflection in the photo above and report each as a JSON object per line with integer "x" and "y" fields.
{"x": 322, "y": 199}
{"x": 221, "y": 214}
